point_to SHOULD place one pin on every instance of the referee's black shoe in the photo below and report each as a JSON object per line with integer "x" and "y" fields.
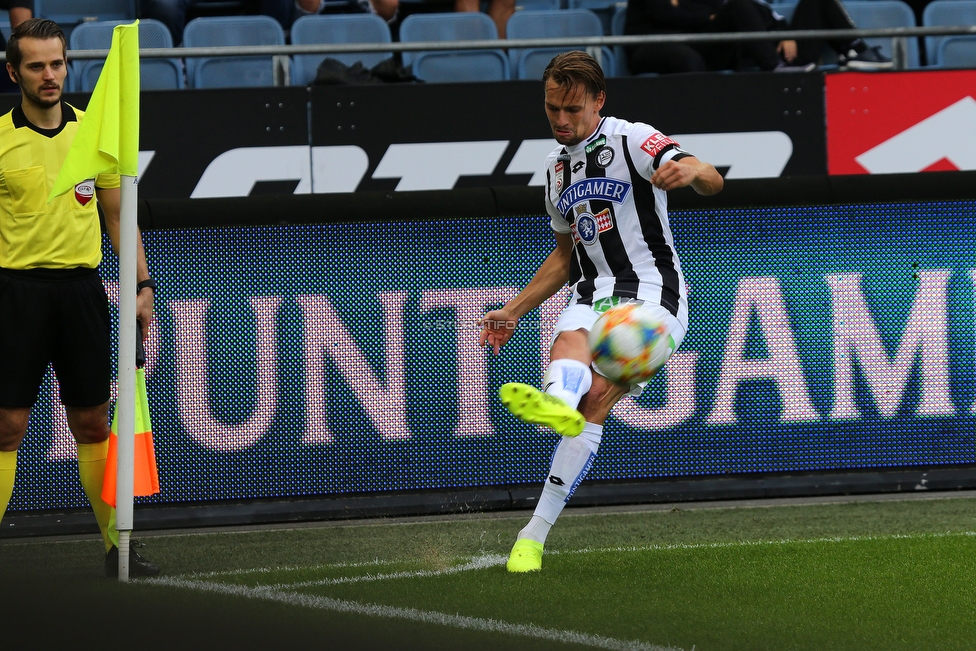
{"x": 138, "y": 566}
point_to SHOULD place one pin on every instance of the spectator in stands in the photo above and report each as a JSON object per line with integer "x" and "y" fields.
{"x": 829, "y": 14}
{"x": 18, "y": 11}
{"x": 388, "y": 10}
{"x": 499, "y": 10}
{"x": 173, "y": 13}
{"x": 716, "y": 16}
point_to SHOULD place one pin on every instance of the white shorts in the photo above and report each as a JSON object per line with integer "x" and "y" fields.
{"x": 582, "y": 317}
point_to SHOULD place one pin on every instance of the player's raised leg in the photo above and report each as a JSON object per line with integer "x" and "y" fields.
{"x": 566, "y": 381}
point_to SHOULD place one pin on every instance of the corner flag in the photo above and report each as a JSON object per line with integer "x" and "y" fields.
{"x": 107, "y": 141}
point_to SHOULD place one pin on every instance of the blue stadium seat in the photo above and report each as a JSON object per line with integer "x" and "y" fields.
{"x": 336, "y": 28}
{"x": 231, "y": 71}
{"x": 784, "y": 8}
{"x": 529, "y": 63}
{"x": 868, "y": 14}
{"x": 943, "y": 13}
{"x": 5, "y": 28}
{"x": 957, "y": 52}
{"x": 536, "y": 5}
{"x": 461, "y": 66}
{"x": 453, "y": 65}
{"x": 154, "y": 74}
{"x": 604, "y": 10}
{"x": 68, "y": 13}
{"x": 617, "y": 24}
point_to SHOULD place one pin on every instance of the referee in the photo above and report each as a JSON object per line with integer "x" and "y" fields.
{"x": 52, "y": 301}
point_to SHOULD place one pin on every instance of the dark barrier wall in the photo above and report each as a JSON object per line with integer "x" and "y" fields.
{"x": 331, "y": 360}
{"x": 259, "y": 141}
{"x": 340, "y": 139}
{"x": 332, "y": 139}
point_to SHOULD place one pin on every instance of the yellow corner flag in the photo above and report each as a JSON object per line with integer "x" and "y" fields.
{"x": 107, "y": 141}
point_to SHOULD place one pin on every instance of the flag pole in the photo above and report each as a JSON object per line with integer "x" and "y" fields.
{"x": 126, "y": 369}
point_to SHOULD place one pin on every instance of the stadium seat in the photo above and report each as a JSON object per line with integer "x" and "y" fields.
{"x": 529, "y": 63}
{"x": 784, "y": 8}
{"x": 957, "y": 52}
{"x": 69, "y": 13}
{"x": 454, "y": 65}
{"x": 231, "y": 71}
{"x": 617, "y": 24}
{"x": 869, "y": 14}
{"x": 5, "y": 28}
{"x": 943, "y": 13}
{"x": 536, "y": 5}
{"x": 604, "y": 10}
{"x": 154, "y": 74}
{"x": 337, "y": 28}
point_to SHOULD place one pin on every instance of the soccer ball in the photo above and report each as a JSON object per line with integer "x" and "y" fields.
{"x": 628, "y": 345}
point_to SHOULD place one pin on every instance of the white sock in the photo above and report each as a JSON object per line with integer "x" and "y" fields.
{"x": 568, "y": 380}
{"x": 570, "y": 463}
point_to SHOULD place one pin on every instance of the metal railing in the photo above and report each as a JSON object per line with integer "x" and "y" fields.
{"x": 898, "y": 35}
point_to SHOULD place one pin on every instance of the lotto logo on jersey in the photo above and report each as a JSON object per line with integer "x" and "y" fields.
{"x": 84, "y": 191}
{"x": 588, "y": 227}
{"x": 656, "y": 144}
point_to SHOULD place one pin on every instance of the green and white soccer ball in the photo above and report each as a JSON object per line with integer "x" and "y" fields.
{"x": 629, "y": 345}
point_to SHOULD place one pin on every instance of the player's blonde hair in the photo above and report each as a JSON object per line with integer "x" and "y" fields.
{"x": 576, "y": 68}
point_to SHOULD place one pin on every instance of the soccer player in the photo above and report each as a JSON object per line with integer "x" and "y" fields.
{"x": 52, "y": 300}
{"x": 606, "y": 195}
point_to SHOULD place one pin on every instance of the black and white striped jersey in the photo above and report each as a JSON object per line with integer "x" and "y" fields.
{"x": 599, "y": 192}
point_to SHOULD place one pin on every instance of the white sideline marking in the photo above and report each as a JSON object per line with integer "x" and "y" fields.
{"x": 288, "y": 568}
{"x": 478, "y": 563}
{"x": 411, "y": 614}
{"x": 760, "y": 543}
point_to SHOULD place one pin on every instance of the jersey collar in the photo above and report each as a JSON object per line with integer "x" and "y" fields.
{"x": 20, "y": 120}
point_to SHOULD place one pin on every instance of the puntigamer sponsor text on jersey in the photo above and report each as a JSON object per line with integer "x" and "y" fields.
{"x": 587, "y": 189}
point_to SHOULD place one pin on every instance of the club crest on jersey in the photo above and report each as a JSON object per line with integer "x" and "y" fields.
{"x": 604, "y": 156}
{"x": 588, "y": 227}
{"x": 589, "y": 189}
{"x": 84, "y": 191}
{"x": 657, "y": 143}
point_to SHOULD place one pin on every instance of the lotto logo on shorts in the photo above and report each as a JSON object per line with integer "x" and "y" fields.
{"x": 656, "y": 143}
{"x": 84, "y": 191}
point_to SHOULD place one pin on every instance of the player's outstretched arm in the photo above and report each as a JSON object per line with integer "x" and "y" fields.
{"x": 701, "y": 176}
{"x": 498, "y": 326}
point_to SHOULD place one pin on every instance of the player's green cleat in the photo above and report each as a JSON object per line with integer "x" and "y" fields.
{"x": 539, "y": 408}
{"x": 526, "y": 556}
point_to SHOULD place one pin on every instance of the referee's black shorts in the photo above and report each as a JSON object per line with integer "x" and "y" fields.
{"x": 56, "y": 316}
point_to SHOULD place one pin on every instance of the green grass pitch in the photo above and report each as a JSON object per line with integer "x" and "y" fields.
{"x": 886, "y": 574}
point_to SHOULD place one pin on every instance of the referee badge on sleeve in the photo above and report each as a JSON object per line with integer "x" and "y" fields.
{"x": 84, "y": 191}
